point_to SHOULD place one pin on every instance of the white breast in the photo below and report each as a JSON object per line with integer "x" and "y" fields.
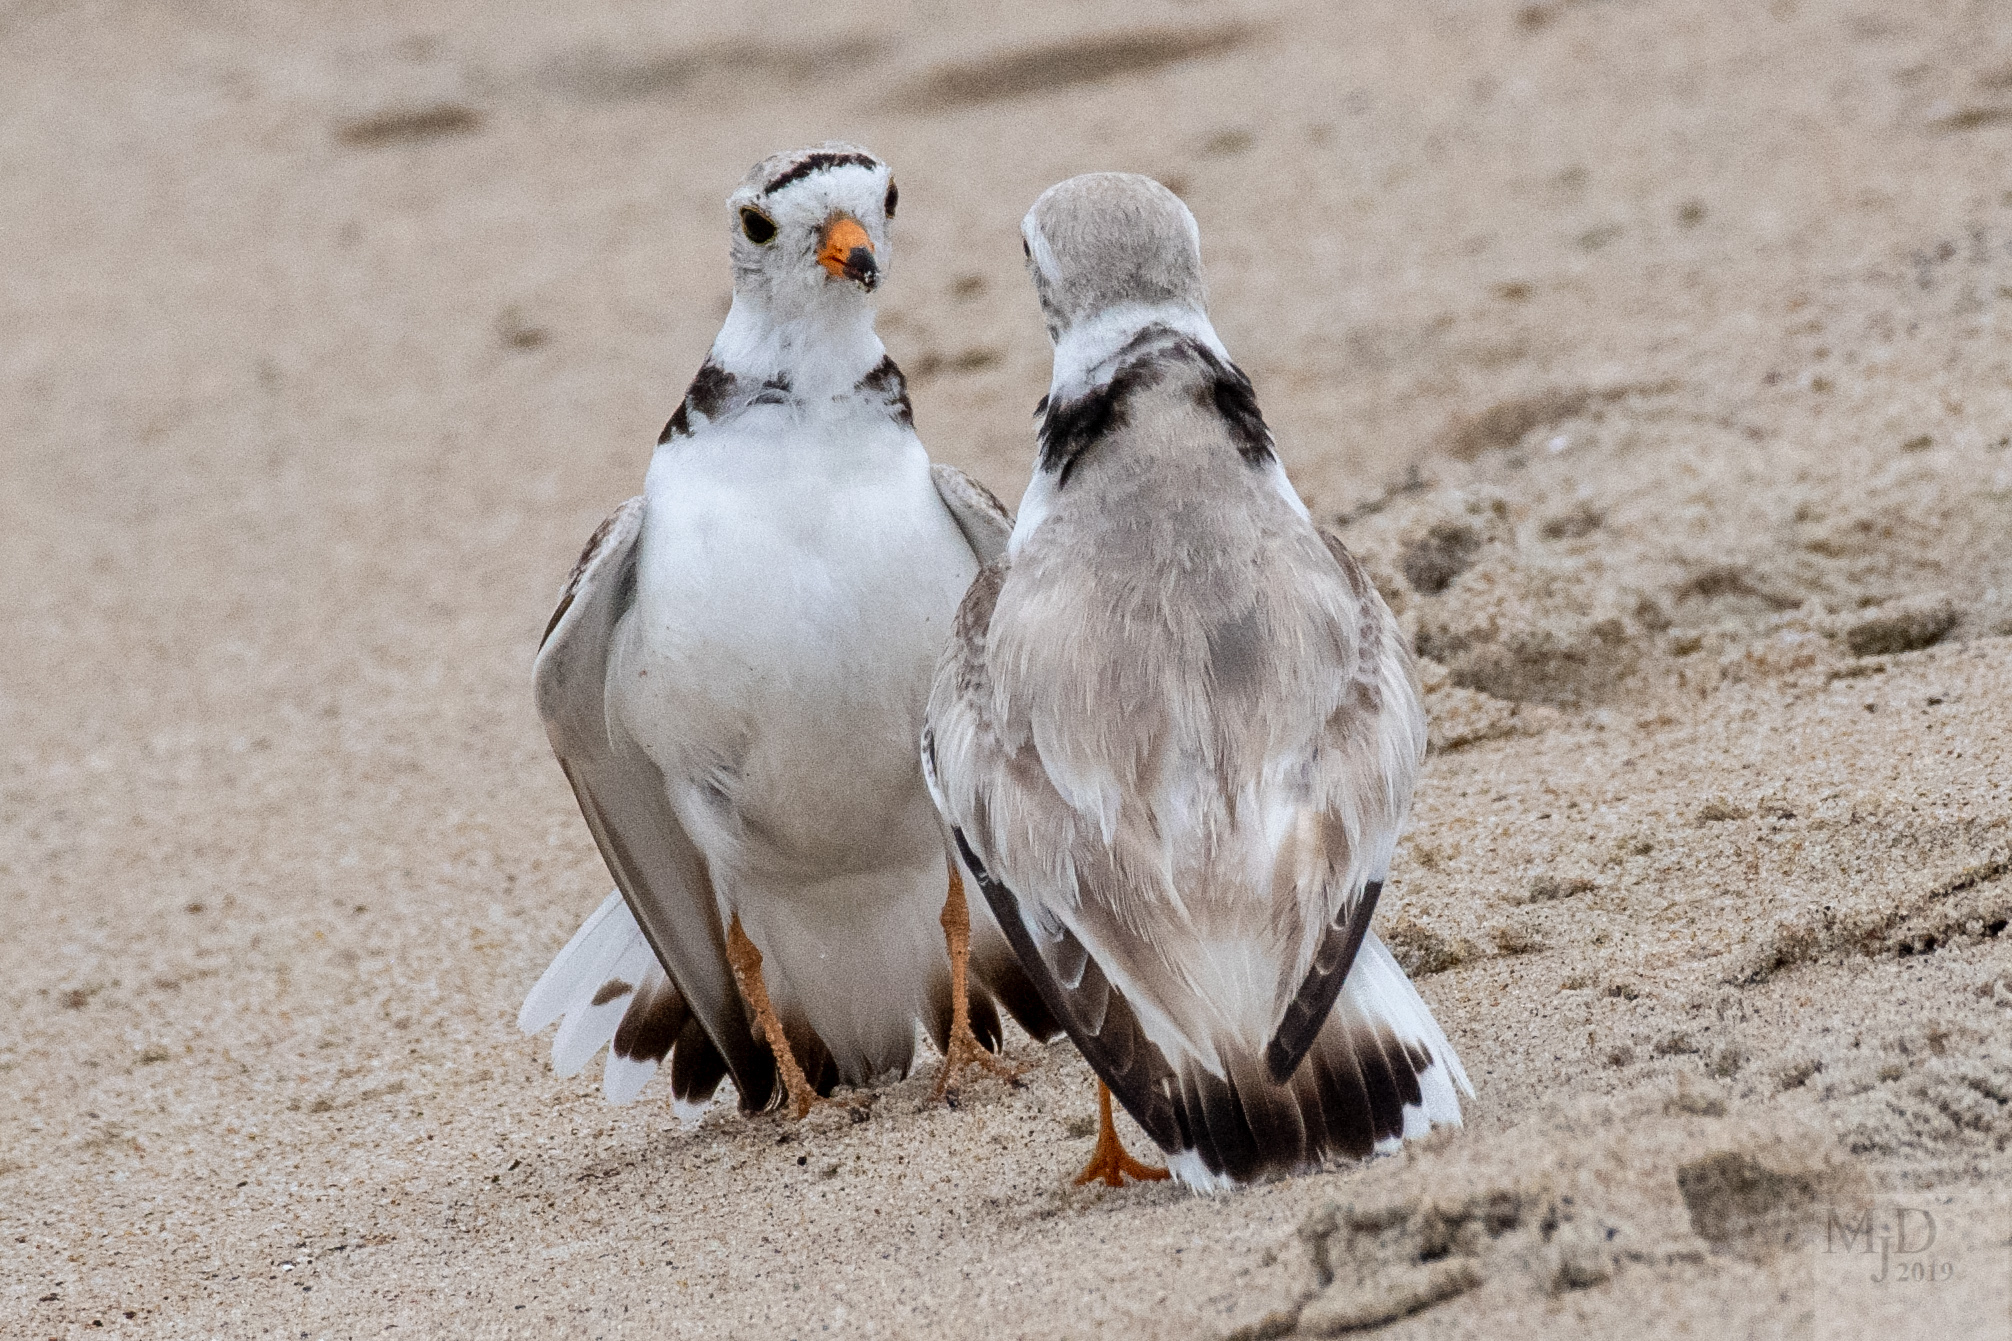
{"x": 793, "y": 592}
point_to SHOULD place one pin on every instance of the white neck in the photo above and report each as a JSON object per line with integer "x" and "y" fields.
{"x": 1083, "y": 352}
{"x": 823, "y": 348}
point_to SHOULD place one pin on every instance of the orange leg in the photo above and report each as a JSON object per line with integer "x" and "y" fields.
{"x": 746, "y": 962}
{"x": 1109, "y": 1160}
{"x": 964, "y": 1047}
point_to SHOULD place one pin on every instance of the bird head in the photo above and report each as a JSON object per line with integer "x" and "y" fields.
{"x": 1111, "y": 240}
{"x": 810, "y": 228}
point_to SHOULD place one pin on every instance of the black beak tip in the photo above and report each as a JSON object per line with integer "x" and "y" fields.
{"x": 861, "y": 267}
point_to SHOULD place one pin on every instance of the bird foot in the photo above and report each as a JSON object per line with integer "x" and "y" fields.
{"x": 965, "y": 1050}
{"x": 801, "y": 1097}
{"x": 963, "y": 1047}
{"x": 745, "y": 960}
{"x": 1109, "y": 1163}
{"x": 1111, "y": 1166}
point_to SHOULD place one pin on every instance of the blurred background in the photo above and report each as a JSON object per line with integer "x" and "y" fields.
{"x": 1642, "y": 348}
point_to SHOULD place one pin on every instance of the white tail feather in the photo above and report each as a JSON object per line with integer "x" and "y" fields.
{"x": 1378, "y": 989}
{"x": 624, "y": 1078}
{"x": 608, "y": 948}
{"x": 589, "y": 955}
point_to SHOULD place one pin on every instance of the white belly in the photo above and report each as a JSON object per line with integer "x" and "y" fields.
{"x": 791, "y": 601}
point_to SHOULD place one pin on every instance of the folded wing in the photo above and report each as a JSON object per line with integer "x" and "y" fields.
{"x": 659, "y": 872}
{"x": 983, "y": 519}
{"x": 1242, "y": 1044}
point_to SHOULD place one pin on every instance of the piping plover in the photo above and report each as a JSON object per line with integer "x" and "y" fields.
{"x": 734, "y": 682}
{"x": 1175, "y": 734}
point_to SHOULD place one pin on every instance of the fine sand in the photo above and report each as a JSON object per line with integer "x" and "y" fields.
{"x": 1654, "y": 355}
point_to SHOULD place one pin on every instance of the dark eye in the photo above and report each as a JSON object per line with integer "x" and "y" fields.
{"x": 893, "y": 199}
{"x": 760, "y": 229}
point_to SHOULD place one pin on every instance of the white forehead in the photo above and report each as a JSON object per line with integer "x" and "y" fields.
{"x": 814, "y": 184}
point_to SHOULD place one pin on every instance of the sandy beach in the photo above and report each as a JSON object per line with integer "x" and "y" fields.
{"x": 1656, "y": 358}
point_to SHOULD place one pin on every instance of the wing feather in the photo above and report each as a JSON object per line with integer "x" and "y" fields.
{"x": 979, "y": 514}
{"x": 660, "y": 872}
{"x": 1309, "y": 1007}
{"x": 1097, "y": 1019}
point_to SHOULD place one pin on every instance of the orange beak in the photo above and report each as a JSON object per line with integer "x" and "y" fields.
{"x": 847, "y": 252}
